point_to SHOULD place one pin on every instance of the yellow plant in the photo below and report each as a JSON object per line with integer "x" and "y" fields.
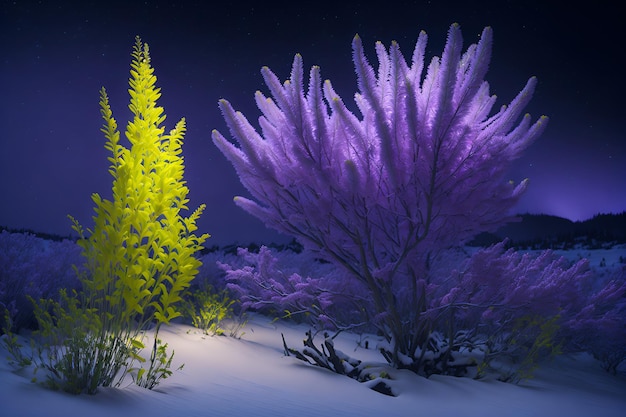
{"x": 141, "y": 250}
{"x": 207, "y": 309}
{"x": 542, "y": 345}
{"x": 140, "y": 255}
{"x": 532, "y": 339}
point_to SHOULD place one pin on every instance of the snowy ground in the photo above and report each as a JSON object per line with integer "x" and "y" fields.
{"x": 599, "y": 259}
{"x": 251, "y": 377}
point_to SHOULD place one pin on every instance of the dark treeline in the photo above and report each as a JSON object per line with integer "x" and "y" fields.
{"x": 534, "y": 231}
{"x": 540, "y": 231}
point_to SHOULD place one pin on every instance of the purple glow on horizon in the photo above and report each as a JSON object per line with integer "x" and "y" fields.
{"x": 576, "y": 183}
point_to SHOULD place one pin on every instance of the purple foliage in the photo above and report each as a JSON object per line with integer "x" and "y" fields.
{"x": 488, "y": 293}
{"x": 421, "y": 169}
{"x": 423, "y": 166}
{"x": 210, "y": 274}
{"x": 495, "y": 288}
{"x": 600, "y": 326}
{"x": 298, "y": 286}
{"x": 31, "y": 266}
{"x": 499, "y": 283}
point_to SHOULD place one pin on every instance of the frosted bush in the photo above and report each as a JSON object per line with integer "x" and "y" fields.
{"x": 34, "y": 267}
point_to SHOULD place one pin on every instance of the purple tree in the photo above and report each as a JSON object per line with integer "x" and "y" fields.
{"x": 422, "y": 168}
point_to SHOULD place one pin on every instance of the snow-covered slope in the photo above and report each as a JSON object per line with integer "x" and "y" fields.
{"x": 252, "y": 377}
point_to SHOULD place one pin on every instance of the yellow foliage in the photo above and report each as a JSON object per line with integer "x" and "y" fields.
{"x": 139, "y": 256}
{"x": 207, "y": 309}
{"x": 141, "y": 249}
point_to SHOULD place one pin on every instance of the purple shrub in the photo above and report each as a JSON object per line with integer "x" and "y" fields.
{"x": 421, "y": 169}
{"x": 383, "y": 196}
{"x": 505, "y": 303}
{"x": 600, "y": 326}
{"x": 298, "y": 286}
{"x": 210, "y": 274}
{"x": 34, "y": 267}
{"x": 495, "y": 283}
{"x": 496, "y": 291}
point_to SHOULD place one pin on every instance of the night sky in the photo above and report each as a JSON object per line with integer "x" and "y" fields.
{"x": 56, "y": 55}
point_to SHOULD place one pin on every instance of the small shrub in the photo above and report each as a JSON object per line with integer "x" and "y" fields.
{"x": 73, "y": 348}
{"x": 208, "y": 309}
{"x": 159, "y": 368}
{"x": 531, "y": 340}
{"x": 11, "y": 342}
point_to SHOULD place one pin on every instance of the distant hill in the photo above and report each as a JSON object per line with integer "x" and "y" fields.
{"x": 539, "y": 231}
{"x": 544, "y": 231}
{"x": 46, "y": 236}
